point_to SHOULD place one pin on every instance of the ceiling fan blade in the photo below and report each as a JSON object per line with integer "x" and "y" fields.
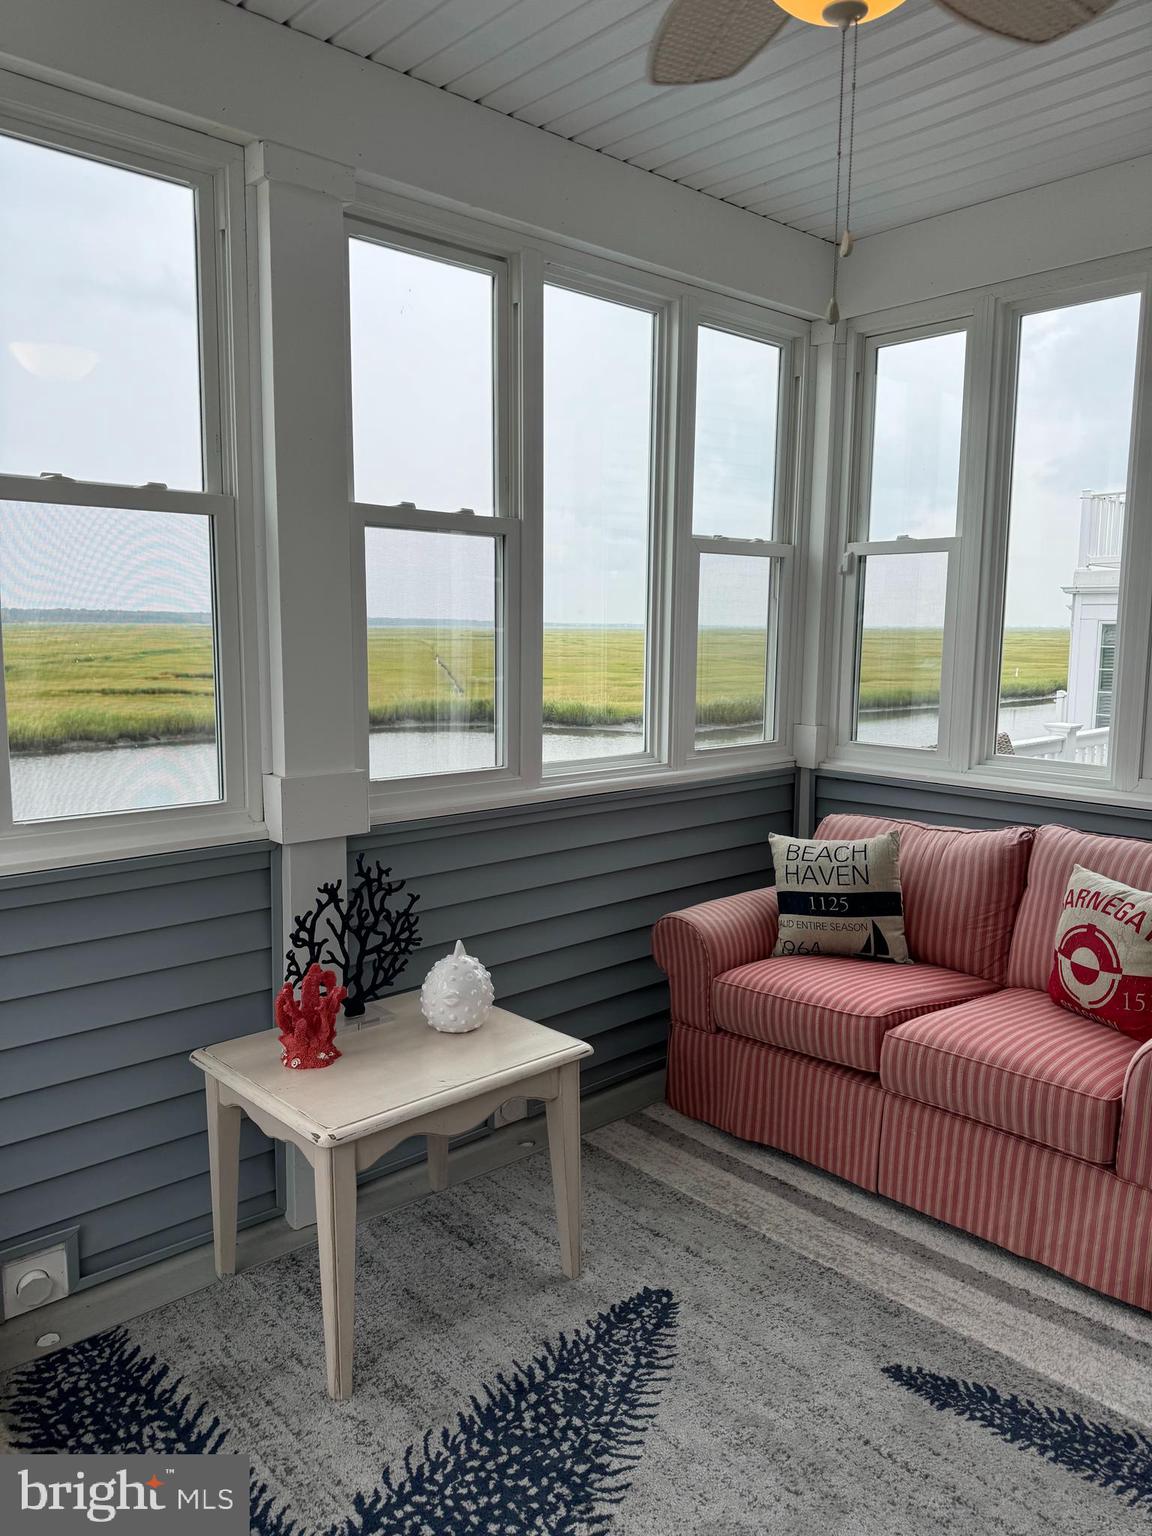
{"x": 711, "y": 39}
{"x": 1028, "y": 21}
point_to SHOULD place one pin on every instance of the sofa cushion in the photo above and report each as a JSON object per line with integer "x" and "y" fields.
{"x": 833, "y": 1007}
{"x": 1056, "y": 852}
{"x": 1017, "y": 1062}
{"x": 961, "y": 888}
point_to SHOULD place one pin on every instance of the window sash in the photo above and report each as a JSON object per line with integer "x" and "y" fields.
{"x": 781, "y": 560}
{"x": 694, "y": 313}
{"x": 506, "y": 534}
{"x": 506, "y": 501}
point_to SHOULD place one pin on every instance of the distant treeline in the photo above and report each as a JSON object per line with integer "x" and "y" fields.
{"x": 100, "y": 616}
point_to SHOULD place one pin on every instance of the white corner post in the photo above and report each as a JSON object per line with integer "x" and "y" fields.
{"x": 818, "y": 578}
{"x": 316, "y": 789}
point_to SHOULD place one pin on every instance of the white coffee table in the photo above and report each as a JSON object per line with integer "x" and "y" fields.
{"x": 396, "y": 1078}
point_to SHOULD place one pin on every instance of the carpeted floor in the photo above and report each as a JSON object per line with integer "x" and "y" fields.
{"x": 754, "y": 1348}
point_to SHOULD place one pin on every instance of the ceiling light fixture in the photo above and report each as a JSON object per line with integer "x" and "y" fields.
{"x": 822, "y": 14}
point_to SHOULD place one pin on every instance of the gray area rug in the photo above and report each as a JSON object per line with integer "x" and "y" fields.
{"x": 754, "y": 1348}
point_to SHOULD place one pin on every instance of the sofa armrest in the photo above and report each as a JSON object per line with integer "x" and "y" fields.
{"x": 700, "y": 943}
{"x": 1134, "y": 1149}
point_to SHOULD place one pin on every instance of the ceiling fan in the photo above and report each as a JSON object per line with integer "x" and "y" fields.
{"x": 703, "y": 40}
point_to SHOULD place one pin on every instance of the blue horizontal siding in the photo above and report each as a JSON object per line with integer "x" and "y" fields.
{"x": 109, "y": 976}
{"x": 969, "y": 806}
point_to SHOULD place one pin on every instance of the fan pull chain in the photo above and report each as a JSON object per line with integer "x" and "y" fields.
{"x": 844, "y": 237}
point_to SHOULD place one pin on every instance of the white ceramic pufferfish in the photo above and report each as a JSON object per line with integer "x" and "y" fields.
{"x": 457, "y": 993}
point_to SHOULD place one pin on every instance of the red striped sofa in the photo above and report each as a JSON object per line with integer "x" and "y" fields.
{"x": 953, "y": 1085}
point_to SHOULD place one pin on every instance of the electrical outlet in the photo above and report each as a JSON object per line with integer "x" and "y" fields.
{"x": 512, "y": 1109}
{"x": 32, "y": 1275}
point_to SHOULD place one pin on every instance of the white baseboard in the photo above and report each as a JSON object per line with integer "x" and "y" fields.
{"x": 127, "y": 1296}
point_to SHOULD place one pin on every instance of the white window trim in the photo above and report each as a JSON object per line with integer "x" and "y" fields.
{"x": 670, "y": 756}
{"x": 972, "y": 628}
{"x": 59, "y": 119}
{"x": 845, "y": 583}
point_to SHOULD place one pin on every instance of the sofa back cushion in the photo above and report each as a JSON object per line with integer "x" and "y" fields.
{"x": 961, "y": 889}
{"x": 1055, "y": 854}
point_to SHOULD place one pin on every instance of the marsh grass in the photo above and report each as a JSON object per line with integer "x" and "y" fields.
{"x": 900, "y": 668}
{"x": 78, "y": 685}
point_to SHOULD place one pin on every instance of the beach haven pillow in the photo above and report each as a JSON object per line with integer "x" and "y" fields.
{"x": 1102, "y": 966}
{"x": 840, "y": 897}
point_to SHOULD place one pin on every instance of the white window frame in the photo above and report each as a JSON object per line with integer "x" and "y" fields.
{"x": 972, "y": 638}
{"x": 58, "y": 119}
{"x": 848, "y": 580}
{"x": 669, "y": 753}
{"x": 780, "y": 547}
{"x": 1122, "y": 773}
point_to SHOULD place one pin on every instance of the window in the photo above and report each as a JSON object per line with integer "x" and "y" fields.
{"x": 598, "y": 423}
{"x": 426, "y": 379}
{"x": 908, "y": 506}
{"x": 618, "y": 454}
{"x": 117, "y": 539}
{"x": 1105, "y": 675}
{"x": 737, "y": 564}
{"x": 988, "y": 618}
{"x": 1075, "y": 371}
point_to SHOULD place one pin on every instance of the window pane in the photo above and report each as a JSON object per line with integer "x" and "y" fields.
{"x": 899, "y": 651}
{"x": 109, "y": 668}
{"x": 422, "y": 396}
{"x": 733, "y": 669}
{"x": 916, "y": 438}
{"x": 597, "y": 471}
{"x": 432, "y": 617}
{"x": 737, "y": 396}
{"x": 99, "y": 331}
{"x": 1076, "y": 377}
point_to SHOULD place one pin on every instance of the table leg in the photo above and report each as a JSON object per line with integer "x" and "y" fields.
{"x": 224, "y": 1167}
{"x": 436, "y": 1148}
{"x": 336, "y": 1229}
{"x": 564, "y": 1151}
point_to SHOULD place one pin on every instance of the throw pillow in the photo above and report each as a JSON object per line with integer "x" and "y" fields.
{"x": 1102, "y": 966}
{"x": 840, "y": 896}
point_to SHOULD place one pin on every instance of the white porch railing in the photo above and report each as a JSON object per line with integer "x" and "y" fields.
{"x": 1070, "y": 744}
{"x": 1101, "y": 527}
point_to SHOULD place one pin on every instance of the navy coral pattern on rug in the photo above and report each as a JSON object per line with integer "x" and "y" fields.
{"x": 545, "y": 1449}
{"x": 1118, "y": 1460}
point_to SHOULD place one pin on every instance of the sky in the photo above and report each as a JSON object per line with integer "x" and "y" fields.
{"x": 99, "y": 379}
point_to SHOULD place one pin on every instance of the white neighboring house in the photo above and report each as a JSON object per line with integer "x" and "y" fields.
{"x": 1095, "y": 594}
{"x": 1082, "y": 717}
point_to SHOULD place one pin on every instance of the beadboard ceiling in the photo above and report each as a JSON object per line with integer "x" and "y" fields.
{"x": 946, "y": 116}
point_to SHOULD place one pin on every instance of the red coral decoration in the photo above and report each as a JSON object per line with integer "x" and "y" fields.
{"x": 308, "y": 1027}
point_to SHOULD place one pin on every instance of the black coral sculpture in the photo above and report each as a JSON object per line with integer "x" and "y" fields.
{"x": 367, "y": 935}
